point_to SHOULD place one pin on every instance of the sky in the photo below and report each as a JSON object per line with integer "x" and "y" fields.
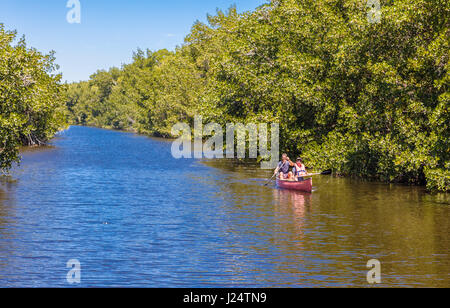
{"x": 109, "y": 31}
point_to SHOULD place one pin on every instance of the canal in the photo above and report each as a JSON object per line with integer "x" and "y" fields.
{"x": 135, "y": 217}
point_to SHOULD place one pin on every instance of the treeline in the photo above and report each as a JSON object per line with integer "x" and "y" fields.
{"x": 367, "y": 99}
{"x": 32, "y": 99}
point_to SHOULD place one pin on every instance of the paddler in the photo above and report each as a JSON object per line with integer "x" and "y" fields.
{"x": 299, "y": 170}
{"x": 283, "y": 168}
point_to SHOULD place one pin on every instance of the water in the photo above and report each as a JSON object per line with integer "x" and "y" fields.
{"x": 134, "y": 216}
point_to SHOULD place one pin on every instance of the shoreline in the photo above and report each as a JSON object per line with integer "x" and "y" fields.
{"x": 25, "y": 149}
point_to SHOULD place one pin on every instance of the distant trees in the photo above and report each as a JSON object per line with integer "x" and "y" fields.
{"x": 361, "y": 98}
{"x": 148, "y": 96}
{"x": 32, "y": 105}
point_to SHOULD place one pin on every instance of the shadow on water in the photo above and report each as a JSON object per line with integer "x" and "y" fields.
{"x": 7, "y": 219}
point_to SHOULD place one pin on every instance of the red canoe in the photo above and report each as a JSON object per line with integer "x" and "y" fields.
{"x": 305, "y": 185}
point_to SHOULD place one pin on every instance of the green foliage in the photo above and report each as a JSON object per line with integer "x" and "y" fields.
{"x": 32, "y": 106}
{"x": 364, "y": 99}
{"x": 438, "y": 179}
{"x": 148, "y": 96}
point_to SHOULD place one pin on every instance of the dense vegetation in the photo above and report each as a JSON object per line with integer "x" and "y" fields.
{"x": 32, "y": 99}
{"x": 364, "y": 99}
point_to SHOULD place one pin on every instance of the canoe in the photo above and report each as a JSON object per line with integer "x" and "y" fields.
{"x": 305, "y": 185}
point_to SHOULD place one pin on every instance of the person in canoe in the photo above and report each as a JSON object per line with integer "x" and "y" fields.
{"x": 299, "y": 170}
{"x": 283, "y": 168}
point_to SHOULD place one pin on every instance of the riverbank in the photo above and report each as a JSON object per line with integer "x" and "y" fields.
{"x": 256, "y": 161}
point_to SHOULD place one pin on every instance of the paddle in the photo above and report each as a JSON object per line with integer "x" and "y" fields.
{"x": 328, "y": 172}
{"x": 270, "y": 180}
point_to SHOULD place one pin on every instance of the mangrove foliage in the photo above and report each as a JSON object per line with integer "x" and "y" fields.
{"x": 363, "y": 97}
{"x": 32, "y": 99}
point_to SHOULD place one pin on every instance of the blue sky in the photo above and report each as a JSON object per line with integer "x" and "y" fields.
{"x": 110, "y": 29}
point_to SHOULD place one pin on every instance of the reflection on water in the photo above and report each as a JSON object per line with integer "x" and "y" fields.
{"x": 134, "y": 216}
